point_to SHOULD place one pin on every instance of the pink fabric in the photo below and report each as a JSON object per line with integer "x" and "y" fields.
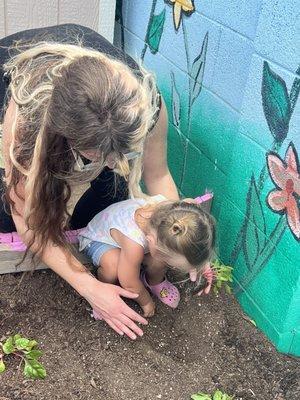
{"x": 12, "y": 241}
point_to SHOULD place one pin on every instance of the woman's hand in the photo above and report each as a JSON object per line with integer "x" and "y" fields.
{"x": 106, "y": 301}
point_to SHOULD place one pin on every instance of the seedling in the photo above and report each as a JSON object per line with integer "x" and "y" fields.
{"x": 218, "y": 395}
{"x": 223, "y": 277}
{"x": 27, "y": 351}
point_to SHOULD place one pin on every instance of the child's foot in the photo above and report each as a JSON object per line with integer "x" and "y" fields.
{"x": 165, "y": 291}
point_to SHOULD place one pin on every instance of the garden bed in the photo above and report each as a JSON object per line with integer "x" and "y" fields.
{"x": 203, "y": 345}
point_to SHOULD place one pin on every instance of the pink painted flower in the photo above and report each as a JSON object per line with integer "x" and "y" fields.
{"x": 285, "y": 198}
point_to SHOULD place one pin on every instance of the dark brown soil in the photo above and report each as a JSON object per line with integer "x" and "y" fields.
{"x": 205, "y": 344}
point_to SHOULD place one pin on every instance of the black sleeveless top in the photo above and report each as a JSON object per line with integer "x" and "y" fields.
{"x": 66, "y": 33}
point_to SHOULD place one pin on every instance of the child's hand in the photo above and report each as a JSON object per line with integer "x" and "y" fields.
{"x": 149, "y": 309}
{"x": 209, "y": 275}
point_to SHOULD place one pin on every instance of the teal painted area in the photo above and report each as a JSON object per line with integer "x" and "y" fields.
{"x": 295, "y": 343}
{"x": 257, "y": 314}
{"x": 176, "y": 145}
{"x": 201, "y": 174}
{"x": 213, "y": 129}
{"x": 273, "y": 289}
{"x": 229, "y": 109}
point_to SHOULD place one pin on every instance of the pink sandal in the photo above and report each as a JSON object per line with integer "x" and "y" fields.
{"x": 165, "y": 291}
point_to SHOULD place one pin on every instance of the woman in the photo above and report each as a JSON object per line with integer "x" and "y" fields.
{"x": 65, "y": 103}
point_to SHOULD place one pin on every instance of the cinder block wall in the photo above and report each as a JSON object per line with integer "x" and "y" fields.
{"x": 229, "y": 73}
{"x": 20, "y": 15}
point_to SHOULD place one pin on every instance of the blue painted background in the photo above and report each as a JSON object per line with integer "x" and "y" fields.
{"x": 226, "y": 138}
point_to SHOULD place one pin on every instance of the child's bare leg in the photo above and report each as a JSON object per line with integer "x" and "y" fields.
{"x": 155, "y": 270}
{"x": 108, "y": 268}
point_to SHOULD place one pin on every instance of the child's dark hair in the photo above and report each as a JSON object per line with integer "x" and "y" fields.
{"x": 186, "y": 229}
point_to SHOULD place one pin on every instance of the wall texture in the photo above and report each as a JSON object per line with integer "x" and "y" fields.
{"x": 17, "y": 15}
{"x": 229, "y": 72}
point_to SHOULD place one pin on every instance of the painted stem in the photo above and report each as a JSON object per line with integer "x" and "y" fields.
{"x": 148, "y": 28}
{"x": 295, "y": 90}
{"x": 190, "y": 96}
{"x": 264, "y": 172}
{"x": 265, "y": 254}
{"x": 261, "y": 181}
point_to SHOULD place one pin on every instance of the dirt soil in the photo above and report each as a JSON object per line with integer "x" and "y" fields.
{"x": 203, "y": 345}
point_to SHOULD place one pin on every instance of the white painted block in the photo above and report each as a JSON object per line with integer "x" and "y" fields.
{"x": 79, "y": 12}
{"x": 22, "y": 15}
{"x": 2, "y": 19}
{"x": 107, "y": 10}
{"x": 9, "y": 259}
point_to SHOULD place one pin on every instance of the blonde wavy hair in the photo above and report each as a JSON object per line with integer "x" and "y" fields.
{"x": 70, "y": 98}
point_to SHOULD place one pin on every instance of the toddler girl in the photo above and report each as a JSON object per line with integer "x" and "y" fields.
{"x": 160, "y": 234}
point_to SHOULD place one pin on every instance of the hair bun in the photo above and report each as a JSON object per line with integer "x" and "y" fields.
{"x": 178, "y": 228}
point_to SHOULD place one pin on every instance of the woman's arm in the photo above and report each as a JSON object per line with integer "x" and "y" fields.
{"x": 104, "y": 298}
{"x": 156, "y": 175}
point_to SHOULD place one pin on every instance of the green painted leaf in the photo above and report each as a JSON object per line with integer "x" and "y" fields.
{"x": 254, "y": 234}
{"x": 2, "y": 366}
{"x": 34, "y": 369}
{"x": 8, "y": 347}
{"x": 16, "y": 337}
{"x": 155, "y": 30}
{"x": 295, "y": 90}
{"x": 276, "y": 103}
{"x": 197, "y": 70}
{"x": 175, "y": 102}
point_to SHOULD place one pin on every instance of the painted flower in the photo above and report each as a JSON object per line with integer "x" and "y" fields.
{"x": 180, "y": 6}
{"x": 286, "y": 176}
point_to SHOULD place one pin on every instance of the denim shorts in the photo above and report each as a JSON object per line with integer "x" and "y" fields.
{"x": 95, "y": 251}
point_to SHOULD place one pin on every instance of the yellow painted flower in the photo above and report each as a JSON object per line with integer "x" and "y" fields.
{"x": 179, "y": 6}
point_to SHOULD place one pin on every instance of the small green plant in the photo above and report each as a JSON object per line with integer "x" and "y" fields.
{"x": 218, "y": 395}
{"x": 27, "y": 351}
{"x": 223, "y": 277}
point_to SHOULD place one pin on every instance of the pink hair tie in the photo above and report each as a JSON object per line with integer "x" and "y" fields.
{"x": 204, "y": 198}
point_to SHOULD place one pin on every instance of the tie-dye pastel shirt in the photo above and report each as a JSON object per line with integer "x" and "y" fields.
{"x": 118, "y": 216}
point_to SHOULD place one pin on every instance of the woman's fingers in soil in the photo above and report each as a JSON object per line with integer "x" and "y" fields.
{"x": 114, "y": 327}
{"x": 134, "y": 316}
{"x": 126, "y": 293}
{"x": 120, "y": 327}
{"x": 131, "y": 326}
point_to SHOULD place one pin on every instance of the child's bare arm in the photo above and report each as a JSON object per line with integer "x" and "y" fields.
{"x": 131, "y": 257}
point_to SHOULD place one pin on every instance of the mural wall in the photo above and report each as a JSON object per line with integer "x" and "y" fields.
{"x": 230, "y": 75}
